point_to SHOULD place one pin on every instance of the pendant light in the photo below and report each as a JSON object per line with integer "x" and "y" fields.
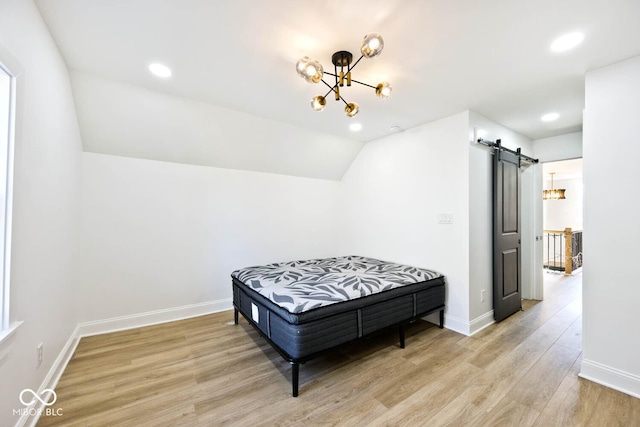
{"x": 553, "y": 194}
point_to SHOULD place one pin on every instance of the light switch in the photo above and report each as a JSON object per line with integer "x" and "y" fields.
{"x": 445, "y": 218}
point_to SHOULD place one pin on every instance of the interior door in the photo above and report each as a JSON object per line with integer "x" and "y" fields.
{"x": 507, "y": 254}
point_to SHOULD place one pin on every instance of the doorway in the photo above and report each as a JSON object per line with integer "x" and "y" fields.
{"x": 562, "y": 216}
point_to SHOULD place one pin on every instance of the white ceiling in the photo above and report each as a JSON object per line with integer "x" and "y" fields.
{"x": 564, "y": 169}
{"x": 441, "y": 57}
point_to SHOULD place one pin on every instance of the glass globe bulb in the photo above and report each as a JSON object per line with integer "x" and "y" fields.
{"x": 351, "y": 109}
{"x": 309, "y": 69}
{"x": 301, "y": 65}
{"x": 318, "y": 103}
{"x": 372, "y": 45}
{"x": 383, "y": 90}
{"x": 313, "y": 72}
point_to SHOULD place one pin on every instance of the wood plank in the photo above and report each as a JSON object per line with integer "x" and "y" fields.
{"x": 543, "y": 379}
{"x": 509, "y": 413}
{"x": 573, "y": 402}
{"x": 458, "y": 412}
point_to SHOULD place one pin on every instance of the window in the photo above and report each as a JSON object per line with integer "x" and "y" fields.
{"x": 7, "y": 115}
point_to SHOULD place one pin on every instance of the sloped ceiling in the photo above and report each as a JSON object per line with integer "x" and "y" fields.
{"x": 442, "y": 57}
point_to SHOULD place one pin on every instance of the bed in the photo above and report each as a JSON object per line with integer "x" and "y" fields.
{"x": 303, "y": 308}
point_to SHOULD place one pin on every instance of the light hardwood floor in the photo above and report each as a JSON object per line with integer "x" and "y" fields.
{"x": 206, "y": 371}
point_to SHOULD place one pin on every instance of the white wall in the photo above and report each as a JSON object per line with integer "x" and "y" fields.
{"x": 612, "y": 231}
{"x": 481, "y": 215}
{"x": 391, "y": 198}
{"x": 397, "y": 186}
{"x": 157, "y": 235}
{"x": 45, "y": 205}
{"x": 532, "y": 263}
{"x": 125, "y": 120}
{"x": 559, "y": 214}
{"x": 562, "y": 147}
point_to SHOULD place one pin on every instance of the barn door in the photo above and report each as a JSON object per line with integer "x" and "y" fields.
{"x": 507, "y": 274}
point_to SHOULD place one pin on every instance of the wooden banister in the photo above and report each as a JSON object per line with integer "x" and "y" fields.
{"x": 568, "y": 252}
{"x": 571, "y": 238}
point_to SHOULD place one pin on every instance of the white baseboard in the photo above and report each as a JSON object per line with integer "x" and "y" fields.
{"x": 456, "y": 324}
{"x": 462, "y": 326}
{"x": 481, "y": 322}
{"x": 610, "y": 377}
{"x": 450, "y": 322}
{"x": 30, "y": 417}
{"x": 155, "y": 317}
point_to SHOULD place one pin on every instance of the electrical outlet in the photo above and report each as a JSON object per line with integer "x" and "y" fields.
{"x": 482, "y": 295}
{"x": 39, "y": 350}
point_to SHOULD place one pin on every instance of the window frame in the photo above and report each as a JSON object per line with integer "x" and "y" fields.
{"x": 6, "y": 181}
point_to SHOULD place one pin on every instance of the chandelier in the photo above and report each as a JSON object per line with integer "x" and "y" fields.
{"x": 312, "y": 71}
{"x": 553, "y": 194}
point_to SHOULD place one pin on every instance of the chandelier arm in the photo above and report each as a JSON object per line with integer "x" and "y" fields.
{"x": 329, "y": 86}
{"x": 363, "y": 84}
{"x": 351, "y": 67}
{"x": 354, "y": 81}
{"x": 333, "y": 89}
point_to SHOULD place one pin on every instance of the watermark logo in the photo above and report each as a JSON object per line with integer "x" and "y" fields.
{"x": 30, "y": 398}
{"x": 45, "y": 394}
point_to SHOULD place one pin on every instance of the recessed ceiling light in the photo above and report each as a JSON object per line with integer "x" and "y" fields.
{"x": 395, "y": 129}
{"x": 160, "y": 70}
{"x": 566, "y": 42}
{"x": 355, "y": 127}
{"x": 550, "y": 117}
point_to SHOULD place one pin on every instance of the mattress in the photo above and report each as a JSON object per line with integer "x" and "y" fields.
{"x": 305, "y": 307}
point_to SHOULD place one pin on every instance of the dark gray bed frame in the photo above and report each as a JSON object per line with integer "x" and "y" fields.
{"x": 299, "y": 338}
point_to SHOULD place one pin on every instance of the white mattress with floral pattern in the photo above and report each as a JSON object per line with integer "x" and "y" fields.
{"x": 300, "y": 286}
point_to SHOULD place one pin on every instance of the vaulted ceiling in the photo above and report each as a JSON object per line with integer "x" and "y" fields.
{"x": 441, "y": 57}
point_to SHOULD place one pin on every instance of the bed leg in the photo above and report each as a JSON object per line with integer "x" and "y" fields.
{"x": 441, "y": 319}
{"x": 295, "y": 371}
{"x": 401, "y": 336}
{"x": 235, "y": 316}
